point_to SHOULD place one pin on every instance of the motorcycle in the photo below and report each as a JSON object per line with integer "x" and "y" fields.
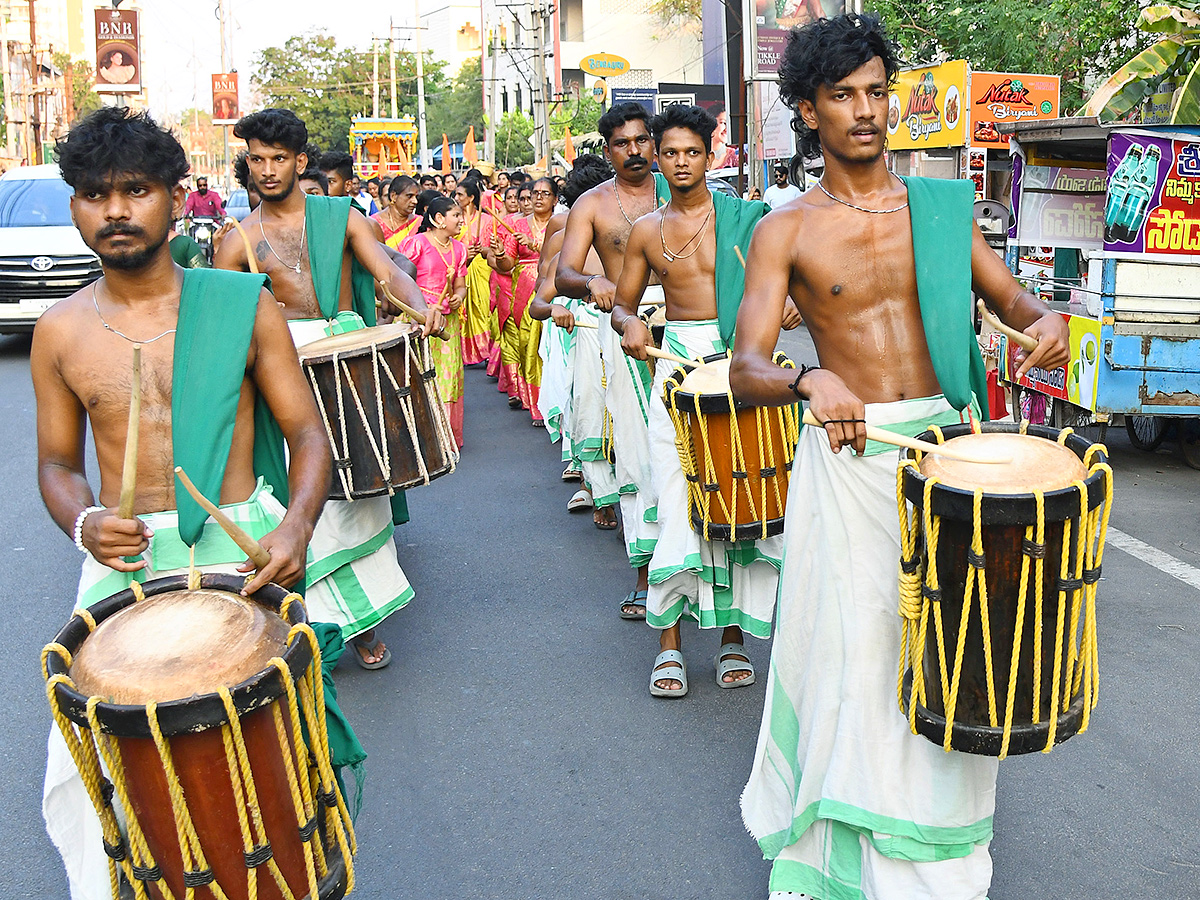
{"x": 201, "y": 230}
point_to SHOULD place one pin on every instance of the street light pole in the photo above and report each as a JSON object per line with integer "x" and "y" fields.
{"x": 425, "y": 160}
{"x": 374, "y": 76}
{"x": 392, "y": 62}
{"x": 224, "y": 128}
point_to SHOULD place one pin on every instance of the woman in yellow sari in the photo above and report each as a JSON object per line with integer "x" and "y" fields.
{"x": 398, "y": 221}
{"x": 478, "y": 229}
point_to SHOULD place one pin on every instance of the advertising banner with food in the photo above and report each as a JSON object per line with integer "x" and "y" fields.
{"x": 1076, "y": 381}
{"x": 1059, "y": 206}
{"x": 1009, "y": 97}
{"x": 926, "y": 108}
{"x": 1153, "y": 192}
{"x": 118, "y": 63}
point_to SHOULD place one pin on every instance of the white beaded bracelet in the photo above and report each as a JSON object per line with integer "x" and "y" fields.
{"x": 79, "y": 526}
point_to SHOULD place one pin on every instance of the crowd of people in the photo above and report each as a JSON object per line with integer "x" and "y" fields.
{"x": 550, "y": 285}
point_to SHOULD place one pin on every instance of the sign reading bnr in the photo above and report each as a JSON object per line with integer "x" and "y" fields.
{"x": 604, "y": 65}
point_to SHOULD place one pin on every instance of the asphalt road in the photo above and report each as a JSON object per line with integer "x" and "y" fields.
{"x": 515, "y": 751}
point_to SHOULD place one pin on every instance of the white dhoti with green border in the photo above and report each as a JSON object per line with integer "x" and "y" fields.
{"x": 627, "y": 398}
{"x": 715, "y": 583}
{"x": 354, "y": 578}
{"x": 556, "y": 348}
{"x": 71, "y": 819}
{"x": 587, "y": 407}
{"x": 848, "y": 803}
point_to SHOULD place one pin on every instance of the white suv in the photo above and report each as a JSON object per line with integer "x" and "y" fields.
{"x": 42, "y": 257}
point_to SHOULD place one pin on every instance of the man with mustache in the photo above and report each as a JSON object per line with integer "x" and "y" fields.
{"x": 216, "y": 361}
{"x": 323, "y": 260}
{"x": 602, "y": 219}
{"x": 843, "y": 798}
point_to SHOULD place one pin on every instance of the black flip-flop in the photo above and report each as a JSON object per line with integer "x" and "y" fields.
{"x": 355, "y": 643}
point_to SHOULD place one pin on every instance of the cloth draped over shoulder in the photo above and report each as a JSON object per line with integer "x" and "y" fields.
{"x": 735, "y": 221}
{"x": 941, "y": 212}
{"x": 217, "y": 310}
{"x": 326, "y": 219}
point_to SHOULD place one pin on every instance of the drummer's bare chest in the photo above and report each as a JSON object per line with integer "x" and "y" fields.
{"x": 100, "y": 373}
{"x": 851, "y": 263}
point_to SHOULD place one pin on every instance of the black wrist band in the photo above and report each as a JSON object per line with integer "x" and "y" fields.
{"x": 795, "y": 385}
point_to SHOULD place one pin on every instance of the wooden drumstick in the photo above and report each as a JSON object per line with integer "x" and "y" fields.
{"x": 899, "y": 440}
{"x": 248, "y": 545}
{"x": 246, "y": 241}
{"x": 129, "y": 471}
{"x": 401, "y": 305}
{"x": 741, "y": 259}
{"x": 1024, "y": 341}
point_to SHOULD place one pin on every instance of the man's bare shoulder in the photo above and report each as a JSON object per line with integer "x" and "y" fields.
{"x": 65, "y": 316}
{"x": 591, "y": 201}
{"x": 645, "y": 226}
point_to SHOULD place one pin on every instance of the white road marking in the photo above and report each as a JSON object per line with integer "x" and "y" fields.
{"x": 1164, "y": 562}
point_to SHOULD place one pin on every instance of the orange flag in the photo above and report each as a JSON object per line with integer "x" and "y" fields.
{"x": 445, "y": 155}
{"x": 541, "y": 163}
{"x": 402, "y": 155}
{"x": 470, "y": 155}
{"x": 568, "y": 147}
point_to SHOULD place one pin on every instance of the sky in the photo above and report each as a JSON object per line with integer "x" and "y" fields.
{"x": 181, "y": 42}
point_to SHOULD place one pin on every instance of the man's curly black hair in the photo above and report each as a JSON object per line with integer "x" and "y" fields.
{"x": 115, "y": 140}
{"x": 588, "y": 170}
{"x": 241, "y": 170}
{"x": 274, "y": 127}
{"x": 337, "y": 161}
{"x": 823, "y": 53}
{"x": 678, "y": 115}
{"x": 618, "y": 116}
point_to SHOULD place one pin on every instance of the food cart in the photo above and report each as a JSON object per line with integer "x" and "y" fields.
{"x": 1123, "y": 199}
{"x": 382, "y": 147}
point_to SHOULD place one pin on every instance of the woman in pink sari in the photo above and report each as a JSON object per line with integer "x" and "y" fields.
{"x": 441, "y": 263}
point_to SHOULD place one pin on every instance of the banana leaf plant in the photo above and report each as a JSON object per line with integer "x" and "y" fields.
{"x": 1174, "y": 59}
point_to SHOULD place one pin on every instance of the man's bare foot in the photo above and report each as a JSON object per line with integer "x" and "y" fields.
{"x": 370, "y": 650}
{"x": 604, "y": 518}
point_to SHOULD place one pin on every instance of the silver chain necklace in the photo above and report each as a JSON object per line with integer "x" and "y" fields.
{"x": 108, "y": 327}
{"x": 303, "y": 235}
{"x": 617, "y": 191}
{"x": 877, "y": 212}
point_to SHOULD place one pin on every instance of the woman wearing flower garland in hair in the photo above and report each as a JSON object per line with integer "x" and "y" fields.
{"x": 441, "y": 263}
{"x": 478, "y": 229}
{"x": 518, "y": 253}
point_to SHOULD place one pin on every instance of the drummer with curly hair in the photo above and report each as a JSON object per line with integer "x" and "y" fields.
{"x": 215, "y": 357}
{"x": 842, "y": 797}
{"x": 323, "y": 259}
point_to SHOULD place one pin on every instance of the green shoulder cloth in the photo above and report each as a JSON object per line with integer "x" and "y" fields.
{"x": 325, "y": 219}
{"x": 941, "y": 214}
{"x": 735, "y": 224}
{"x": 662, "y": 192}
{"x": 217, "y": 309}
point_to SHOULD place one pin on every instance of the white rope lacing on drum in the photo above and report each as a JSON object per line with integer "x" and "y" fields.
{"x": 406, "y": 407}
{"x": 441, "y": 419}
{"x": 380, "y": 457}
{"x": 339, "y": 454}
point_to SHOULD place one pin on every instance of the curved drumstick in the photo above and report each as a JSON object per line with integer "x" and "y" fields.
{"x": 252, "y": 548}
{"x": 129, "y": 470}
{"x": 245, "y": 240}
{"x": 401, "y": 305}
{"x": 1024, "y": 341}
{"x": 899, "y": 440}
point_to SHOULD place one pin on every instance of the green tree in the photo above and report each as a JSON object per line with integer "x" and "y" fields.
{"x": 326, "y": 85}
{"x": 512, "y": 140}
{"x": 84, "y": 100}
{"x": 580, "y": 115}
{"x": 457, "y": 107}
{"x": 1077, "y": 40}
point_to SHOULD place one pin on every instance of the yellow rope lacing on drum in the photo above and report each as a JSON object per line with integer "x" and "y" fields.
{"x": 1079, "y": 566}
{"x": 88, "y": 745}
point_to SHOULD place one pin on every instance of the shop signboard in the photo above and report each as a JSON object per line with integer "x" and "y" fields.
{"x": 1009, "y": 97}
{"x": 225, "y": 99}
{"x": 644, "y": 96}
{"x": 604, "y": 65}
{"x": 1059, "y": 206}
{"x": 118, "y": 60}
{"x": 927, "y": 108}
{"x": 1153, "y": 192}
{"x": 1076, "y": 381}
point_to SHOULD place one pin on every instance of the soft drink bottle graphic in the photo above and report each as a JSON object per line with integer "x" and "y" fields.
{"x": 1136, "y": 204}
{"x": 1119, "y": 187}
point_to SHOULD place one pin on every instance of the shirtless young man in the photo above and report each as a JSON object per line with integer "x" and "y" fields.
{"x": 602, "y": 219}
{"x": 125, "y": 172}
{"x": 683, "y": 243}
{"x": 369, "y": 584}
{"x": 841, "y": 791}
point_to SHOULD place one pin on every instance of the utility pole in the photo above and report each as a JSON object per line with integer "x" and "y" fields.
{"x": 374, "y": 76}
{"x": 8, "y": 95}
{"x": 494, "y": 110}
{"x": 33, "y": 85}
{"x": 426, "y": 160}
{"x": 540, "y": 101}
{"x": 392, "y": 62}
{"x": 224, "y": 128}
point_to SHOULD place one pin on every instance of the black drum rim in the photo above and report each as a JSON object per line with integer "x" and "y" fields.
{"x": 1008, "y": 509}
{"x": 192, "y": 714}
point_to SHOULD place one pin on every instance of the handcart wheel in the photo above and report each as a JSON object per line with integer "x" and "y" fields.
{"x": 1146, "y": 432}
{"x": 1189, "y": 442}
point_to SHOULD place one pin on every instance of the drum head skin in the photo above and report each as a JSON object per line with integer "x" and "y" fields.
{"x": 380, "y": 335}
{"x": 1037, "y": 464}
{"x": 176, "y": 645}
{"x": 709, "y": 378}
